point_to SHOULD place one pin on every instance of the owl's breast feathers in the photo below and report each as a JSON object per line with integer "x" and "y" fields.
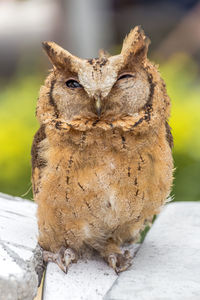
{"x": 106, "y": 176}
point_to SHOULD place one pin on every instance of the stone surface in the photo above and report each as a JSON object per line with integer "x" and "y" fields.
{"x": 167, "y": 265}
{"x": 20, "y": 256}
{"x": 86, "y": 280}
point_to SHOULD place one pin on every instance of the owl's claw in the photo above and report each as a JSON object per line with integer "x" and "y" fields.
{"x": 62, "y": 258}
{"x": 120, "y": 262}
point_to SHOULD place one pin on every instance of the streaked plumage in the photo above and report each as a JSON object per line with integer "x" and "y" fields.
{"x": 102, "y": 161}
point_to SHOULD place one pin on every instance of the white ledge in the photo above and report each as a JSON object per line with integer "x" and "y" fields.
{"x": 20, "y": 256}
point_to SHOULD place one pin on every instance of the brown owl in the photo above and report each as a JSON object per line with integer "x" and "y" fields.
{"x": 101, "y": 159}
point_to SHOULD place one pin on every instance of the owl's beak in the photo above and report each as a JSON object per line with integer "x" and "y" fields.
{"x": 98, "y": 105}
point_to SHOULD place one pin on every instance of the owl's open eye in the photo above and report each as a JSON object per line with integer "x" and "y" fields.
{"x": 73, "y": 84}
{"x": 123, "y": 76}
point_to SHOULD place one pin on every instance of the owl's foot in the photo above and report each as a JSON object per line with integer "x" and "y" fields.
{"x": 120, "y": 262}
{"x": 62, "y": 258}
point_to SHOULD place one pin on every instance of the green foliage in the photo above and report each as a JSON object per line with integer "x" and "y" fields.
{"x": 182, "y": 80}
{"x": 183, "y": 85}
{"x": 18, "y": 125}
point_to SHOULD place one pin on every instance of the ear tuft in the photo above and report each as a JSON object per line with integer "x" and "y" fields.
{"x": 46, "y": 46}
{"x": 60, "y": 58}
{"x": 55, "y": 53}
{"x": 136, "y": 43}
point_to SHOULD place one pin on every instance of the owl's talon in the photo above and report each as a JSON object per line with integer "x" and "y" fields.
{"x": 120, "y": 262}
{"x": 112, "y": 260}
{"x": 69, "y": 256}
{"x": 61, "y": 265}
{"x": 62, "y": 258}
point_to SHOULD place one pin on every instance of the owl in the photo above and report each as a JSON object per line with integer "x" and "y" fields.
{"x": 101, "y": 159}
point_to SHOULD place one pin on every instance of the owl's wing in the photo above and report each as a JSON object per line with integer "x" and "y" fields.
{"x": 169, "y": 136}
{"x": 37, "y": 162}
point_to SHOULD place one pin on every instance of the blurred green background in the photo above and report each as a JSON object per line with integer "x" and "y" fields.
{"x": 21, "y": 78}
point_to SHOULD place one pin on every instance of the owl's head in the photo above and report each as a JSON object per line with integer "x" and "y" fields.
{"x": 104, "y": 90}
